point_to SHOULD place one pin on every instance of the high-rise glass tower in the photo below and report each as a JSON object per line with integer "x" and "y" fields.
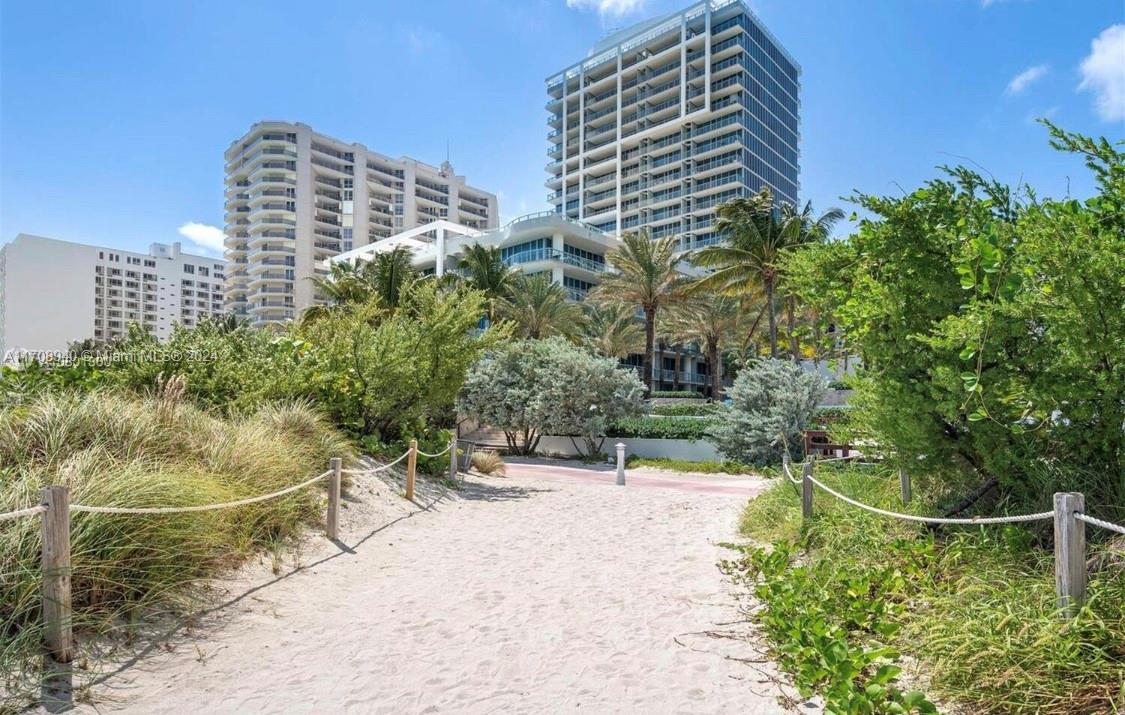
{"x": 669, "y": 118}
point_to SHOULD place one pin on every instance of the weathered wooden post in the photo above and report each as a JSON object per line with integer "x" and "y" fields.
{"x": 1070, "y": 553}
{"x": 904, "y": 485}
{"x": 332, "y": 520}
{"x": 56, "y": 573}
{"x": 806, "y": 491}
{"x": 620, "y": 446}
{"x": 411, "y": 469}
{"x": 453, "y": 458}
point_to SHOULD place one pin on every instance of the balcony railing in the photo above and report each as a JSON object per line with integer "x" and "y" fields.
{"x": 550, "y": 254}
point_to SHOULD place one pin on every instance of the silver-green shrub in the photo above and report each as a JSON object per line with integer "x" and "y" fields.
{"x": 772, "y": 402}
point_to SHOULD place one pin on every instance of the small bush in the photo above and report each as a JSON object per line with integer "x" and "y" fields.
{"x": 703, "y": 409}
{"x": 690, "y": 428}
{"x": 488, "y": 461}
{"x": 772, "y": 402}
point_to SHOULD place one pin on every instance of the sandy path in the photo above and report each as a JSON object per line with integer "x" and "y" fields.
{"x": 525, "y": 594}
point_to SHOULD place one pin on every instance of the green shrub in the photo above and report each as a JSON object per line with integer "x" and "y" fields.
{"x": 659, "y": 427}
{"x": 702, "y": 409}
{"x": 678, "y": 393}
{"x": 974, "y": 606}
{"x": 534, "y": 387}
{"x": 990, "y": 324}
{"x": 114, "y": 450}
{"x": 772, "y": 401}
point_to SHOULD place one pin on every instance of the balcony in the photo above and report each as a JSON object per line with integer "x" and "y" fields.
{"x": 550, "y": 254}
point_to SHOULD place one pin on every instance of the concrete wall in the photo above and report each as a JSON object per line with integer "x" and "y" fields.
{"x": 697, "y": 451}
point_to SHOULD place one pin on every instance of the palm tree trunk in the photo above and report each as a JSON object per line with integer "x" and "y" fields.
{"x": 650, "y": 345}
{"x": 772, "y": 314}
{"x": 716, "y": 369}
{"x": 794, "y": 343}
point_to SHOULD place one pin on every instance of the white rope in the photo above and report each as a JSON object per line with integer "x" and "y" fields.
{"x": 935, "y": 519}
{"x": 426, "y": 454}
{"x": 205, "y": 507}
{"x": 23, "y": 512}
{"x": 376, "y": 470}
{"x": 788, "y": 473}
{"x": 836, "y": 459}
{"x": 1098, "y": 522}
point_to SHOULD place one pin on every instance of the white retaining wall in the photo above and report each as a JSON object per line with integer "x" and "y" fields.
{"x": 697, "y": 451}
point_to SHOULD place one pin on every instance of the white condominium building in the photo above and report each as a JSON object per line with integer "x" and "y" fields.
{"x": 667, "y": 119}
{"x": 570, "y": 252}
{"x": 295, "y": 198}
{"x": 53, "y": 293}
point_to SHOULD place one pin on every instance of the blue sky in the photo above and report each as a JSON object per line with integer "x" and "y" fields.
{"x": 114, "y": 115}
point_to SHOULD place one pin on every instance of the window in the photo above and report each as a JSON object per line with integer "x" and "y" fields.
{"x": 188, "y": 268}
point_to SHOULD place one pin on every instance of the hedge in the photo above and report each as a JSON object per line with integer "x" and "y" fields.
{"x": 686, "y": 410}
{"x": 678, "y": 393}
{"x": 660, "y": 427}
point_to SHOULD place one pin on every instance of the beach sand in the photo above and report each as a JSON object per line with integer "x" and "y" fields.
{"x": 550, "y": 590}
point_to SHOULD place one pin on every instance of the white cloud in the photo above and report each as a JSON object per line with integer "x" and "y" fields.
{"x": 1021, "y": 81}
{"x": 1103, "y": 72}
{"x": 209, "y": 238}
{"x": 615, "y": 8}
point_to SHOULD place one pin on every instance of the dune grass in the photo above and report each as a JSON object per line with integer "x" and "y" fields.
{"x": 116, "y": 450}
{"x": 973, "y": 606}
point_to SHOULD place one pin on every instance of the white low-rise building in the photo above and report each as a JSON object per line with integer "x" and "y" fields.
{"x": 572, "y": 252}
{"x": 53, "y": 293}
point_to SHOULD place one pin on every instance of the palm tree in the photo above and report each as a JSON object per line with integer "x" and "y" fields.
{"x": 749, "y": 261}
{"x": 389, "y": 275}
{"x": 645, "y": 277}
{"x": 540, "y": 308}
{"x": 611, "y": 330}
{"x": 486, "y": 271}
{"x": 813, "y": 229}
{"x": 709, "y": 321}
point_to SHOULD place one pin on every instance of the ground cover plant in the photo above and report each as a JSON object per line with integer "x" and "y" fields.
{"x": 849, "y": 594}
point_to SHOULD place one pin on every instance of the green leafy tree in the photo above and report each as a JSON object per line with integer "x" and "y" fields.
{"x": 990, "y": 328}
{"x": 530, "y": 388}
{"x": 390, "y": 374}
{"x": 646, "y": 277}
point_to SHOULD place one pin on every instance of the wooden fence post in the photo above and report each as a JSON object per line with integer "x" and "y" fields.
{"x": 411, "y": 469}
{"x": 1070, "y": 552}
{"x": 806, "y": 491}
{"x": 453, "y": 458}
{"x": 904, "y": 485}
{"x": 56, "y": 573}
{"x": 332, "y": 520}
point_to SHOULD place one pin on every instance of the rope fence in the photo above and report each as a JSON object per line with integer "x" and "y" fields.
{"x": 56, "y": 509}
{"x": 1069, "y": 517}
